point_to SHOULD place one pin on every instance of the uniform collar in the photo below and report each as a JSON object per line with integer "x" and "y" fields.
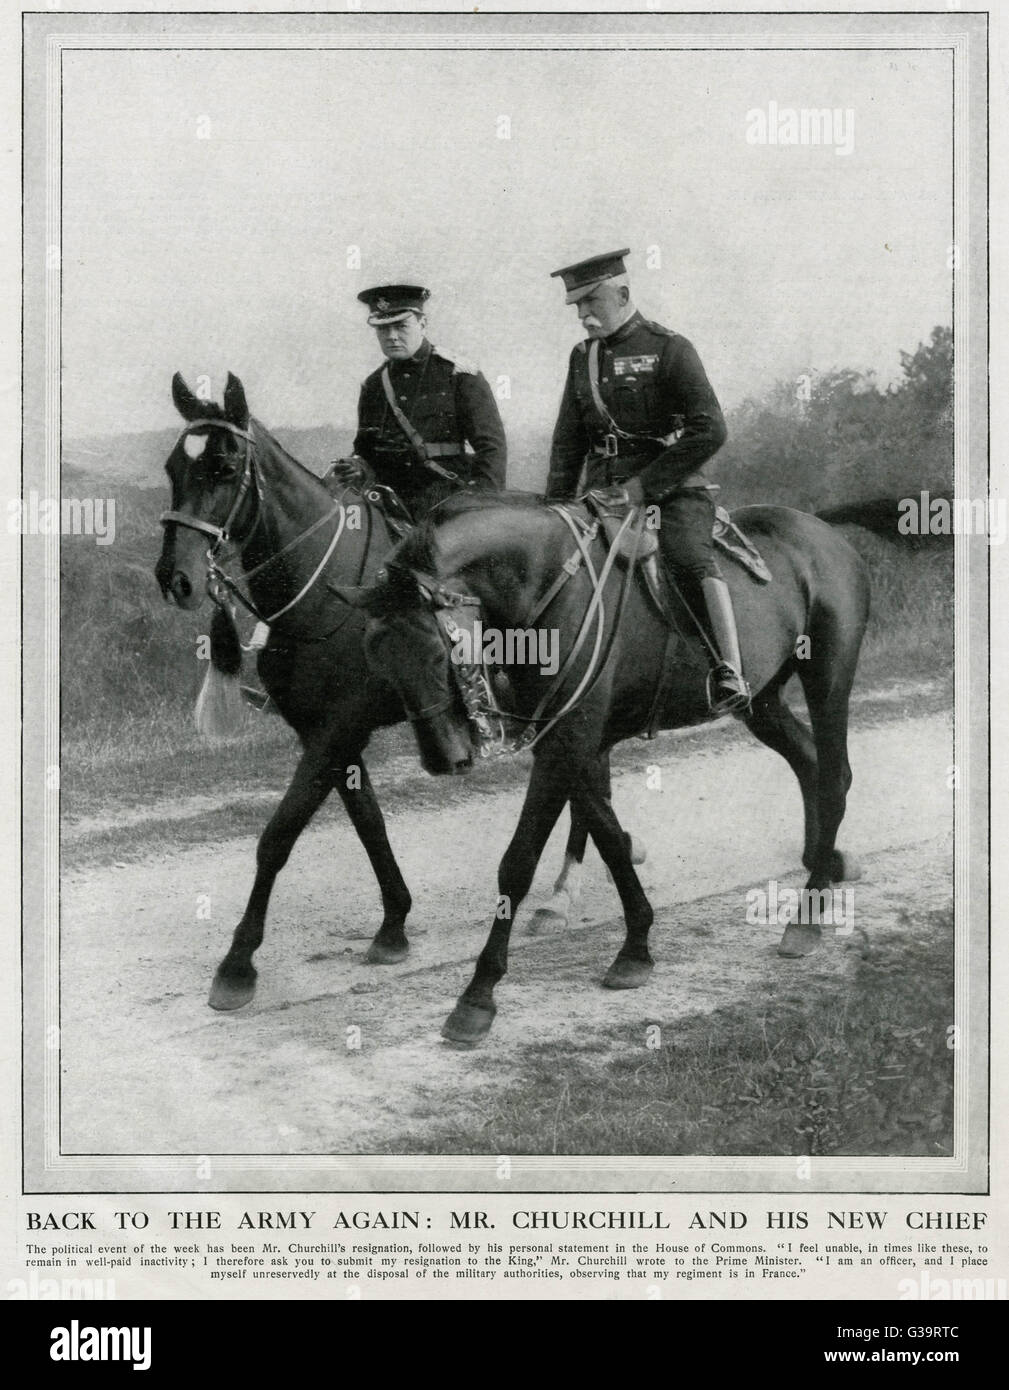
{"x": 417, "y": 360}
{"x": 625, "y": 330}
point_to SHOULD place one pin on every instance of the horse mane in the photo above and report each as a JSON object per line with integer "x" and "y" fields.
{"x": 417, "y": 551}
{"x": 275, "y": 444}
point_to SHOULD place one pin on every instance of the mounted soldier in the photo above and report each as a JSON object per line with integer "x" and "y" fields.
{"x": 639, "y": 414}
{"x": 417, "y": 413}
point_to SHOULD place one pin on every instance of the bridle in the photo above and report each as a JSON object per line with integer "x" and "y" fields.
{"x": 473, "y": 680}
{"x": 217, "y": 578}
{"x": 221, "y": 534}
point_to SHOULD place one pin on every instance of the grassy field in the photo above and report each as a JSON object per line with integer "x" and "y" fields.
{"x": 865, "y": 1071}
{"x": 129, "y": 692}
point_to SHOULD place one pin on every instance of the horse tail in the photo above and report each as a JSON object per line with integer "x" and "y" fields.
{"x": 220, "y": 708}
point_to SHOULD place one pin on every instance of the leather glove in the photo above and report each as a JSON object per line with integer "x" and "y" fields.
{"x": 629, "y": 494}
{"x": 349, "y": 470}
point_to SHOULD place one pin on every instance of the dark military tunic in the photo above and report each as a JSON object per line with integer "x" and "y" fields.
{"x": 652, "y": 383}
{"x": 449, "y": 404}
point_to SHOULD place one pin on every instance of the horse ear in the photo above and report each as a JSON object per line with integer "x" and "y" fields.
{"x": 189, "y": 406}
{"x": 235, "y": 407}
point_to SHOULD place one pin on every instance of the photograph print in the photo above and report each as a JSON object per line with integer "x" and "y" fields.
{"x": 505, "y": 529}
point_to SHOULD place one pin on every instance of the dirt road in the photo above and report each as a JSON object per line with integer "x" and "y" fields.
{"x": 336, "y": 1057}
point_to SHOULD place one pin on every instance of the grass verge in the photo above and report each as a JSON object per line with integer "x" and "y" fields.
{"x": 862, "y": 1071}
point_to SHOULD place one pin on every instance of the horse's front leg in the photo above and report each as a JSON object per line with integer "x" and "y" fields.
{"x": 354, "y": 785}
{"x": 545, "y": 796}
{"x": 235, "y": 981}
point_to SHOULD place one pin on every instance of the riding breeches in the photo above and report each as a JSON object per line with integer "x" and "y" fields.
{"x": 685, "y": 536}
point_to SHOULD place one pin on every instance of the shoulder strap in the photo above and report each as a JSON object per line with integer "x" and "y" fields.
{"x": 460, "y": 364}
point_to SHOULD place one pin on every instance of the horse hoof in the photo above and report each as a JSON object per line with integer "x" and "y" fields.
{"x": 227, "y": 994}
{"x": 638, "y": 851}
{"x": 627, "y": 974}
{"x": 546, "y": 920}
{"x": 844, "y": 868}
{"x": 798, "y": 941}
{"x": 380, "y": 953}
{"x": 468, "y": 1023}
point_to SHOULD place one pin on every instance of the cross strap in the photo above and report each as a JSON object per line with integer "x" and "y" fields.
{"x": 597, "y": 400}
{"x": 415, "y": 437}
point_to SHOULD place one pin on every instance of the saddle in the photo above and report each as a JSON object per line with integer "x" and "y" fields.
{"x": 724, "y": 532}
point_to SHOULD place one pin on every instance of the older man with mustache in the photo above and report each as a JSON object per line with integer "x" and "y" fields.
{"x": 639, "y": 413}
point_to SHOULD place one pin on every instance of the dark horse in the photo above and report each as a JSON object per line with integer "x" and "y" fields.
{"x": 507, "y": 557}
{"x": 231, "y": 481}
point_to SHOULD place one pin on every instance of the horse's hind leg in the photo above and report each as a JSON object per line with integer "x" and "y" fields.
{"x": 235, "y": 981}
{"x": 827, "y": 685}
{"x": 557, "y": 913}
{"x": 545, "y": 796}
{"x": 776, "y": 726}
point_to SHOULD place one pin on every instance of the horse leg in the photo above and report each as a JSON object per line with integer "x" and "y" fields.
{"x": 545, "y": 796}
{"x": 390, "y": 944}
{"x": 235, "y": 981}
{"x": 633, "y": 963}
{"x": 557, "y": 913}
{"x": 827, "y": 696}
{"x": 775, "y": 725}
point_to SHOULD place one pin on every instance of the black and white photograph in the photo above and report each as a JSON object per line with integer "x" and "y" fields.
{"x": 502, "y": 546}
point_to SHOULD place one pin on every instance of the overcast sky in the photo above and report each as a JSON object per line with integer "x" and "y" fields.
{"x": 230, "y": 252}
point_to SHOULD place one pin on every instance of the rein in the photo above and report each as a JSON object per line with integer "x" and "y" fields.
{"x": 216, "y": 575}
{"x": 596, "y": 666}
{"x": 476, "y": 690}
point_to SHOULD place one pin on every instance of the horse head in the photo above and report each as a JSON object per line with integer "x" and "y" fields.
{"x": 408, "y": 645}
{"x": 210, "y": 470}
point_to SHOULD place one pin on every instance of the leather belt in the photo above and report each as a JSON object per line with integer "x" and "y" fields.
{"x": 606, "y": 451}
{"x": 443, "y": 451}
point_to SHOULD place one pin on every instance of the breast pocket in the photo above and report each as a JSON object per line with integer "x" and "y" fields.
{"x": 635, "y": 406}
{"x": 434, "y": 415}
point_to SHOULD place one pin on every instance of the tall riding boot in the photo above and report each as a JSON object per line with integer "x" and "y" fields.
{"x": 728, "y": 692}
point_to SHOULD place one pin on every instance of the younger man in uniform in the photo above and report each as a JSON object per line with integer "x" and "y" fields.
{"x": 418, "y": 412}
